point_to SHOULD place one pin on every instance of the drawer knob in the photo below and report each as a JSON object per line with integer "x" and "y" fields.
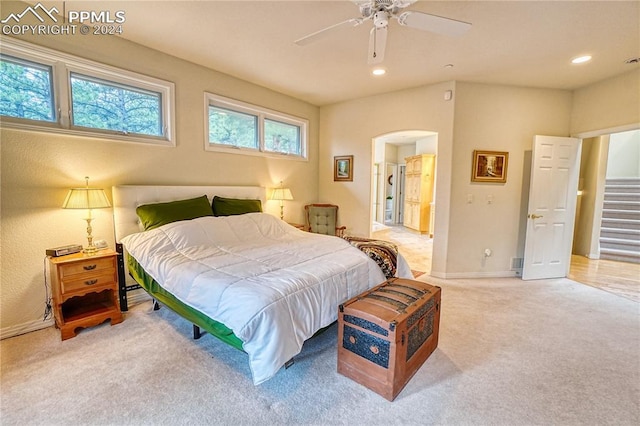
{"x": 352, "y": 340}
{"x": 89, "y": 267}
{"x": 91, "y": 282}
{"x": 375, "y": 350}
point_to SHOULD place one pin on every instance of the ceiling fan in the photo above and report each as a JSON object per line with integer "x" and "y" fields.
{"x": 381, "y": 12}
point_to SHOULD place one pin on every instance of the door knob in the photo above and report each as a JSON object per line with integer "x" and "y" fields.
{"x": 534, "y": 216}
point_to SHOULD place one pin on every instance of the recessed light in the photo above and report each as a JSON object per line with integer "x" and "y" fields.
{"x": 379, "y": 71}
{"x": 581, "y": 59}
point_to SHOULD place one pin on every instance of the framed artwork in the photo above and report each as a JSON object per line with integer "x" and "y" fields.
{"x": 489, "y": 166}
{"x": 343, "y": 168}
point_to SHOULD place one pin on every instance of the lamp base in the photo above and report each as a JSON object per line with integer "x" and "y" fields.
{"x": 90, "y": 250}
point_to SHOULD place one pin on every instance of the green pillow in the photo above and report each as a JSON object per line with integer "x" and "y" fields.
{"x": 230, "y": 206}
{"x": 155, "y": 215}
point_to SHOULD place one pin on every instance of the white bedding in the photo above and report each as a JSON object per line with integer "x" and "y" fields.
{"x": 270, "y": 283}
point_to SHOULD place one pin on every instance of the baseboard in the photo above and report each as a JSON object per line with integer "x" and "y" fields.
{"x": 464, "y": 275}
{"x": 133, "y": 298}
{"x": 28, "y": 327}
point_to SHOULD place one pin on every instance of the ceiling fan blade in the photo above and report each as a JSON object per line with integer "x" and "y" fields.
{"x": 433, "y": 23}
{"x": 354, "y": 22}
{"x": 377, "y": 44}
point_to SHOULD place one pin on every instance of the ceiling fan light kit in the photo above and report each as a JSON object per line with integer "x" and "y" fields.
{"x": 380, "y": 12}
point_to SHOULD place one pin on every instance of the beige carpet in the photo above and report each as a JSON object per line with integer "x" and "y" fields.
{"x": 549, "y": 352}
{"x": 416, "y": 248}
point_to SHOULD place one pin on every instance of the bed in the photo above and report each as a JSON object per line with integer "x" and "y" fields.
{"x": 250, "y": 279}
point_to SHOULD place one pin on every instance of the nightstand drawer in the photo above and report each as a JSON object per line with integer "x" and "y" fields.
{"x": 87, "y": 266}
{"x": 88, "y": 282}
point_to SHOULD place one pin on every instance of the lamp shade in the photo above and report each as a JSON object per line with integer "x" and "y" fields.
{"x": 86, "y": 198}
{"x": 281, "y": 194}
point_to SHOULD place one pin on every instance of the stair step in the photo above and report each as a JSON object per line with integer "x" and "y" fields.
{"x": 620, "y": 214}
{"x": 620, "y": 244}
{"x": 620, "y": 223}
{"x": 620, "y": 227}
{"x": 623, "y": 181}
{"x": 626, "y": 205}
{"x": 619, "y": 255}
{"x": 633, "y": 189}
{"x": 625, "y": 234}
{"x": 621, "y": 196}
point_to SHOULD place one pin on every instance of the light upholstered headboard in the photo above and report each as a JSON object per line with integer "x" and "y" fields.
{"x": 127, "y": 197}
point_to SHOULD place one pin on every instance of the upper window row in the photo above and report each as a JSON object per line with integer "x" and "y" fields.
{"x": 43, "y": 88}
{"x": 232, "y": 125}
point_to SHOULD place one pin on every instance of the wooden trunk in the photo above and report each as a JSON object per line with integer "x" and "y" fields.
{"x": 387, "y": 333}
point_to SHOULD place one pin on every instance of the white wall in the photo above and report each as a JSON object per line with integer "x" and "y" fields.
{"x": 498, "y": 118}
{"x": 624, "y": 155}
{"x": 486, "y": 117}
{"x": 346, "y": 128}
{"x": 612, "y": 104}
{"x": 404, "y": 151}
{"x": 428, "y": 145}
{"x": 38, "y": 168}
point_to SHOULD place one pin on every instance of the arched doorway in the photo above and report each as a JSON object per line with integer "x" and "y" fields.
{"x": 388, "y": 190}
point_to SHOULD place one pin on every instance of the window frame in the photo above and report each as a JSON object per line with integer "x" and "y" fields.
{"x": 261, "y": 113}
{"x": 62, "y": 65}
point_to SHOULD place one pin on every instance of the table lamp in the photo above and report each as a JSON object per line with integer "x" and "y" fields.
{"x": 281, "y": 194}
{"x": 88, "y": 199}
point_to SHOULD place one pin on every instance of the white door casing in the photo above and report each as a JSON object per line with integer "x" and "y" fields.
{"x": 552, "y": 203}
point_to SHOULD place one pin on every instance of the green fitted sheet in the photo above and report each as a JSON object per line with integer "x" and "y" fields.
{"x": 194, "y": 316}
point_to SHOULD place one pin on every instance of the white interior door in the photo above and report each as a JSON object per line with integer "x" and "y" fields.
{"x": 552, "y": 203}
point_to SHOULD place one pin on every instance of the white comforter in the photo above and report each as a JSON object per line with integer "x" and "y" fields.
{"x": 270, "y": 283}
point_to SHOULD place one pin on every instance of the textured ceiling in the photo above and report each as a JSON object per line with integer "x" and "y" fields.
{"x": 525, "y": 43}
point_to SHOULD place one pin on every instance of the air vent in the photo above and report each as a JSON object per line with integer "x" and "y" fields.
{"x": 632, "y": 61}
{"x": 517, "y": 263}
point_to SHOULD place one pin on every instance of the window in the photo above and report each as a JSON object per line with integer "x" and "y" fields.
{"x": 281, "y": 137}
{"x": 228, "y": 127}
{"x": 26, "y": 89}
{"x": 238, "y": 127}
{"x": 41, "y": 89}
{"x": 104, "y": 105}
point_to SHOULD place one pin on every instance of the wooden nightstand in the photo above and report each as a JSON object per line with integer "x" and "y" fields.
{"x": 85, "y": 291}
{"x": 297, "y": 225}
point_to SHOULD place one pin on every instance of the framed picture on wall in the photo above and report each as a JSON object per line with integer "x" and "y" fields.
{"x": 489, "y": 166}
{"x": 343, "y": 168}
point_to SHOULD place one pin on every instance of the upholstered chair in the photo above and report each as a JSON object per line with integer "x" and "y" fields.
{"x": 323, "y": 219}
